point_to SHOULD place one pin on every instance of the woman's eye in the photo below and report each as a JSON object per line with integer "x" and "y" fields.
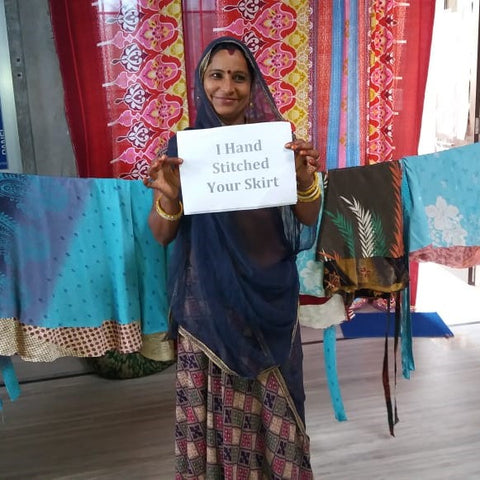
{"x": 240, "y": 78}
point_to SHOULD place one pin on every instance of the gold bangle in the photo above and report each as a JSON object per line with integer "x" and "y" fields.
{"x": 311, "y": 188}
{"x": 167, "y": 216}
{"x": 315, "y": 195}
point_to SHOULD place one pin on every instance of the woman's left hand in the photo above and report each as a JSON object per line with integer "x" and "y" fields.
{"x": 306, "y": 162}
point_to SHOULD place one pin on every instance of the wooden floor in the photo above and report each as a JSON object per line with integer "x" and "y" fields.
{"x": 90, "y": 428}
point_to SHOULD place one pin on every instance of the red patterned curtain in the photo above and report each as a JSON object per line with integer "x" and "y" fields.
{"x": 350, "y": 74}
{"x": 400, "y": 40}
{"x": 123, "y": 71}
{"x": 76, "y": 35}
{"x": 413, "y": 33}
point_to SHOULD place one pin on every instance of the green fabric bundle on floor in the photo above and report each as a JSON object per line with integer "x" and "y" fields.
{"x": 116, "y": 365}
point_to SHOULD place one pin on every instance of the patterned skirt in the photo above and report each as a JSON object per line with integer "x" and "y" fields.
{"x": 232, "y": 428}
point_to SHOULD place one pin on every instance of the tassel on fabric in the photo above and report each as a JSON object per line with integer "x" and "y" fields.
{"x": 330, "y": 358}
{"x": 9, "y": 378}
{"x": 392, "y": 411}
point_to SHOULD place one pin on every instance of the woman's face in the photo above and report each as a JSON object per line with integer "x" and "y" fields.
{"x": 227, "y": 83}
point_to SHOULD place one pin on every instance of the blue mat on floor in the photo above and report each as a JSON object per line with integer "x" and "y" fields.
{"x": 374, "y": 324}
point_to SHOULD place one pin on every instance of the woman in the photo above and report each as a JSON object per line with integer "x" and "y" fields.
{"x": 233, "y": 288}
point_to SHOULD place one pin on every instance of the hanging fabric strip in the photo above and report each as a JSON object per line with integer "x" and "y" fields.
{"x": 398, "y": 309}
{"x": 321, "y": 312}
{"x": 321, "y": 71}
{"x": 9, "y": 378}
{"x": 363, "y": 92}
{"x": 412, "y": 34}
{"x": 391, "y": 405}
{"x": 343, "y": 105}
{"x": 408, "y": 363}
{"x": 391, "y": 400}
{"x": 386, "y": 387}
{"x": 338, "y": 24}
{"x": 330, "y": 358}
{"x": 353, "y": 117}
{"x": 380, "y": 148}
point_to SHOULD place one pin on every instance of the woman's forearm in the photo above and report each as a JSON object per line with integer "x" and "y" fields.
{"x": 307, "y": 213}
{"x": 307, "y": 207}
{"x": 164, "y": 218}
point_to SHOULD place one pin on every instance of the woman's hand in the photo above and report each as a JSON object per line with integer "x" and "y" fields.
{"x": 306, "y": 162}
{"x": 164, "y": 176}
{"x": 164, "y": 179}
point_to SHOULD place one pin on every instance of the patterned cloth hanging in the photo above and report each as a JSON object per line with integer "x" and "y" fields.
{"x": 380, "y": 77}
{"x": 361, "y": 236}
{"x": 125, "y": 83}
{"x": 361, "y": 243}
{"x": 278, "y": 34}
{"x": 318, "y": 311}
{"x": 80, "y": 272}
{"x": 440, "y": 196}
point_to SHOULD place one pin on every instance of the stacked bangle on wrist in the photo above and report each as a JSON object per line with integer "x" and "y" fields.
{"x": 312, "y": 193}
{"x": 167, "y": 216}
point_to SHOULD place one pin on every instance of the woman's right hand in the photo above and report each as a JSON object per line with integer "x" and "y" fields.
{"x": 164, "y": 176}
{"x": 164, "y": 179}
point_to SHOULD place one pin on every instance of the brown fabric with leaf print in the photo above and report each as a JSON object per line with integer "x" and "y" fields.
{"x": 361, "y": 236}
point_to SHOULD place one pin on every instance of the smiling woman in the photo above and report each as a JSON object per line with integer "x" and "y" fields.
{"x": 227, "y": 83}
{"x": 233, "y": 291}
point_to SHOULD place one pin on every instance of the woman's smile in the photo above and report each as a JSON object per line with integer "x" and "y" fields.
{"x": 224, "y": 100}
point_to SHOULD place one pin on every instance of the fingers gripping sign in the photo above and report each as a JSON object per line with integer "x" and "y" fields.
{"x": 164, "y": 176}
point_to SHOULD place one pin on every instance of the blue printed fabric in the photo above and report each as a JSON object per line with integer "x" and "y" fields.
{"x": 310, "y": 269}
{"x": 440, "y": 194}
{"x": 78, "y": 252}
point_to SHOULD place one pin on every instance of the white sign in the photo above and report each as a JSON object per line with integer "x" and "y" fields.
{"x": 237, "y": 167}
